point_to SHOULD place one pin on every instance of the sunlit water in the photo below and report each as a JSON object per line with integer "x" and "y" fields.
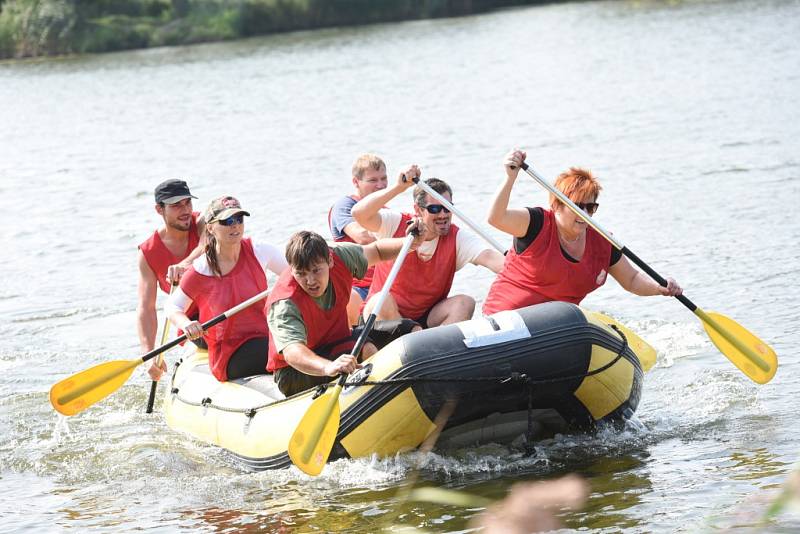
{"x": 686, "y": 110}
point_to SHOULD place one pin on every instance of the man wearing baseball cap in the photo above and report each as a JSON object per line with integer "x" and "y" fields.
{"x": 167, "y": 253}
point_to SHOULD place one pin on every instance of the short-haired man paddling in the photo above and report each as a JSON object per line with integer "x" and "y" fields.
{"x": 166, "y": 254}
{"x": 421, "y": 289}
{"x": 368, "y": 176}
{"x": 310, "y": 334}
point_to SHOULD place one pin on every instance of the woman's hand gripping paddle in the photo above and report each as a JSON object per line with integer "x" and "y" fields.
{"x": 313, "y": 438}
{"x": 751, "y": 355}
{"x": 76, "y": 393}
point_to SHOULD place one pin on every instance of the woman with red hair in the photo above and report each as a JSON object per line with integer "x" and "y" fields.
{"x": 556, "y": 255}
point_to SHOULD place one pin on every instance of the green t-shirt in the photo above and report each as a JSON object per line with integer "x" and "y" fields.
{"x": 285, "y": 321}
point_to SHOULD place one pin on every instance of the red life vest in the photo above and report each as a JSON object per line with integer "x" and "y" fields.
{"x": 159, "y": 257}
{"x": 357, "y": 282}
{"x": 214, "y": 295}
{"x": 322, "y": 326}
{"x": 419, "y": 284}
{"x": 542, "y": 273}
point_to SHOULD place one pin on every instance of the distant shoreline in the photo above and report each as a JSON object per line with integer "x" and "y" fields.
{"x": 41, "y": 28}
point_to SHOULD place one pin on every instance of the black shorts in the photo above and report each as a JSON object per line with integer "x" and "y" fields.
{"x": 422, "y": 320}
{"x": 384, "y": 332}
{"x": 249, "y": 359}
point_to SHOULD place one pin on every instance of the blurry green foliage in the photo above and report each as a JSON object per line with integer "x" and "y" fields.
{"x": 51, "y": 27}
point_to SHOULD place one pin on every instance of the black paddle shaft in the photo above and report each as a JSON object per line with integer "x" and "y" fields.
{"x": 362, "y": 338}
{"x": 151, "y": 400}
{"x": 655, "y": 276}
{"x": 360, "y": 342}
{"x": 163, "y": 348}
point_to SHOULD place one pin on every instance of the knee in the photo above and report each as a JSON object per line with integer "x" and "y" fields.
{"x": 388, "y": 309}
{"x": 368, "y": 350}
{"x": 353, "y": 307}
{"x": 464, "y": 305}
{"x": 355, "y": 299}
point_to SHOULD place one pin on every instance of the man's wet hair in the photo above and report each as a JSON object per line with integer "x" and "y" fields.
{"x": 305, "y": 249}
{"x": 440, "y": 186}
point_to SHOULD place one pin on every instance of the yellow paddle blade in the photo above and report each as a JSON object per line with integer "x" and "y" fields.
{"x": 751, "y": 355}
{"x": 643, "y": 350}
{"x": 76, "y": 393}
{"x": 313, "y": 438}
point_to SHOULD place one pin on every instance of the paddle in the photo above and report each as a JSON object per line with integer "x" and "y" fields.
{"x": 313, "y": 438}
{"x": 752, "y": 356}
{"x": 79, "y": 391}
{"x": 154, "y": 385}
{"x": 449, "y": 205}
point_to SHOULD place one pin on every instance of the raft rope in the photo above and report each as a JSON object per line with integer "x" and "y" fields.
{"x": 515, "y": 378}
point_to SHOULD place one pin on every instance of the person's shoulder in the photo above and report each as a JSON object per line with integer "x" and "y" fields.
{"x": 345, "y": 202}
{"x": 466, "y": 238}
{"x": 145, "y": 270}
{"x": 349, "y": 253}
{"x": 283, "y": 308}
{"x": 150, "y": 241}
{"x": 343, "y": 248}
{"x": 191, "y": 278}
{"x": 265, "y": 250}
{"x": 200, "y": 266}
{"x": 259, "y": 245}
{"x": 391, "y": 220}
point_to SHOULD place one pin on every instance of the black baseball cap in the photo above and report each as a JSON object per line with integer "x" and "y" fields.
{"x": 172, "y": 191}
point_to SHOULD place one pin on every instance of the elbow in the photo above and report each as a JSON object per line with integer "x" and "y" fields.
{"x": 292, "y": 356}
{"x": 495, "y": 219}
{"x": 358, "y": 214}
{"x": 499, "y": 262}
{"x": 364, "y": 238}
{"x": 632, "y": 286}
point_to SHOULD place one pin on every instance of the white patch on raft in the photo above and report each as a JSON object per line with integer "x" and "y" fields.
{"x": 479, "y": 332}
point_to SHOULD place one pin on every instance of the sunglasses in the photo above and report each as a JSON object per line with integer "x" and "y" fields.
{"x": 233, "y": 219}
{"x": 435, "y": 208}
{"x": 588, "y": 207}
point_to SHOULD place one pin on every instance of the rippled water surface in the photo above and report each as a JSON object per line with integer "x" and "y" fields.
{"x": 686, "y": 110}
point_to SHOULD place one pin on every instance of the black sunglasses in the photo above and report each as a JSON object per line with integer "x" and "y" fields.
{"x": 435, "y": 208}
{"x": 588, "y": 207}
{"x": 233, "y": 219}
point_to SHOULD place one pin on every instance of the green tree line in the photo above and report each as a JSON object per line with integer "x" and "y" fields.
{"x": 30, "y": 28}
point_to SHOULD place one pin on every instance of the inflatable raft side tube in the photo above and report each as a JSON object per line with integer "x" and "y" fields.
{"x": 442, "y": 353}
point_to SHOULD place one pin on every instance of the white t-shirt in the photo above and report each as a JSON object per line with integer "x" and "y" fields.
{"x": 268, "y": 256}
{"x": 468, "y": 246}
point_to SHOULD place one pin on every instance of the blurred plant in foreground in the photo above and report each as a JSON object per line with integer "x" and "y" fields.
{"x": 788, "y": 499}
{"x": 529, "y": 506}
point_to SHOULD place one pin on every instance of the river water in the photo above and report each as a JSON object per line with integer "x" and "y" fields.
{"x": 686, "y": 110}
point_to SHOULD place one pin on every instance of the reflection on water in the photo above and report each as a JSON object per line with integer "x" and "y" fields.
{"x": 617, "y": 484}
{"x": 755, "y": 464}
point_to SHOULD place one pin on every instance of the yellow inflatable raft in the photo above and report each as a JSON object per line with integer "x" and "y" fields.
{"x": 553, "y": 364}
